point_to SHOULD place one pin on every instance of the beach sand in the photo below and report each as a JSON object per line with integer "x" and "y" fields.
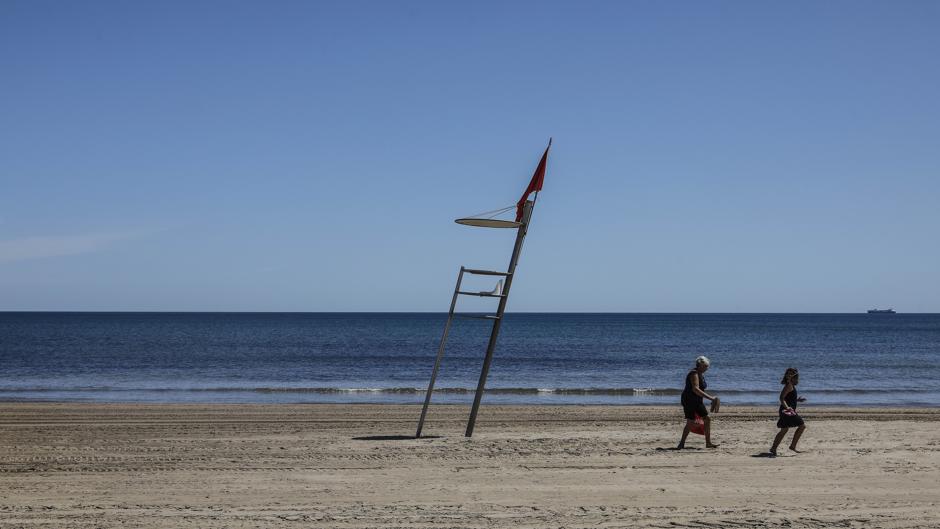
{"x": 110, "y": 465}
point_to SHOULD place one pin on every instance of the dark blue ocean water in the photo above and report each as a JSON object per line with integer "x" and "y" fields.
{"x": 844, "y": 359}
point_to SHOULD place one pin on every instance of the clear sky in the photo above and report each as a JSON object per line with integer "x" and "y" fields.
{"x": 311, "y": 156}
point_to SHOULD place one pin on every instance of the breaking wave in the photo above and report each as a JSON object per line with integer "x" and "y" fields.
{"x": 446, "y": 390}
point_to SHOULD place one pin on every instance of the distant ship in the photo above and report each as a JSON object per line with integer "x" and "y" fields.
{"x": 881, "y": 311}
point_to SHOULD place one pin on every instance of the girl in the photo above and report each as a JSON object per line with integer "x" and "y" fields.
{"x": 788, "y": 416}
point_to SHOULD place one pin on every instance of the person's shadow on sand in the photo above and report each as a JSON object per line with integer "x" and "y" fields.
{"x": 764, "y": 454}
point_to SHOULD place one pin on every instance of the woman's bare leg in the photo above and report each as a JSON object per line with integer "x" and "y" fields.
{"x": 685, "y": 433}
{"x": 796, "y": 437}
{"x": 780, "y": 435}
{"x": 708, "y": 433}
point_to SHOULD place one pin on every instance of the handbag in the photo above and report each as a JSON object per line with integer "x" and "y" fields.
{"x": 698, "y": 425}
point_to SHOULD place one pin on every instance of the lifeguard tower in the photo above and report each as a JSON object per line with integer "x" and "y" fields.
{"x": 524, "y": 209}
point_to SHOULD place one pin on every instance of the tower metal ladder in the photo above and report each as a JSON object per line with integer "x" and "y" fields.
{"x": 450, "y": 318}
{"x": 497, "y": 319}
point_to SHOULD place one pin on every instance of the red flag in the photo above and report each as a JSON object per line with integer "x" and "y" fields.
{"x": 535, "y": 184}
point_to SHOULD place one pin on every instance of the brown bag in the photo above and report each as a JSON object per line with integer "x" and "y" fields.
{"x": 716, "y": 404}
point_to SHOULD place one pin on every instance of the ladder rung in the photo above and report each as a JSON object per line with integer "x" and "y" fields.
{"x": 486, "y": 272}
{"x": 477, "y": 316}
{"x": 481, "y": 294}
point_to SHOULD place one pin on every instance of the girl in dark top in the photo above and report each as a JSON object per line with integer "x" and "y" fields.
{"x": 788, "y": 416}
{"x": 692, "y": 403}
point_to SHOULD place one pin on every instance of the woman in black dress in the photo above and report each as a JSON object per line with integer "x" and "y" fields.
{"x": 788, "y": 416}
{"x": 692, "y": 403}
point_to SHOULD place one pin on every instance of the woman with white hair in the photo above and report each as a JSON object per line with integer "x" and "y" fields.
{"x": 692, "y": 403}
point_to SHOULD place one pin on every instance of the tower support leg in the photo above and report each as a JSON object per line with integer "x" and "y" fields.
{"x": 491, "y": 346}
{"x": 440, "y": 354}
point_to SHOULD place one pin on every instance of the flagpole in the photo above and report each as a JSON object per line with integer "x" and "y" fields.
{"x": 523, "y": 217}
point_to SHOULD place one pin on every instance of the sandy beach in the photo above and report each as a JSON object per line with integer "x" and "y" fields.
{"x": 110, "y": 465}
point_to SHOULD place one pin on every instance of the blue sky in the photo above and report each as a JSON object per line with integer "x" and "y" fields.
{"x": 304, "y": 156}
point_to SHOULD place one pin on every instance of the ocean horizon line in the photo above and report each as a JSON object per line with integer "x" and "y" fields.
{"x": 717, "y": 313}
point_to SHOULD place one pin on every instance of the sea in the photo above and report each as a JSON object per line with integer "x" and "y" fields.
{"x": 387, "y": 358}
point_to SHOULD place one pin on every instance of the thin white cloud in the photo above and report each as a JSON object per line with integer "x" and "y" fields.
{"x": 40, "y": 247}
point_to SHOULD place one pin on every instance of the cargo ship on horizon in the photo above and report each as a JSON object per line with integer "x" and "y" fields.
{"x": 881, "y": 311}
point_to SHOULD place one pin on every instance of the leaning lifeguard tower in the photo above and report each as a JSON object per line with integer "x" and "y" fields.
{"x": 524, "y": 210}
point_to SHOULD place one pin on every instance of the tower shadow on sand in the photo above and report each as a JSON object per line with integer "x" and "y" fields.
{"x": 394, "y": 437}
